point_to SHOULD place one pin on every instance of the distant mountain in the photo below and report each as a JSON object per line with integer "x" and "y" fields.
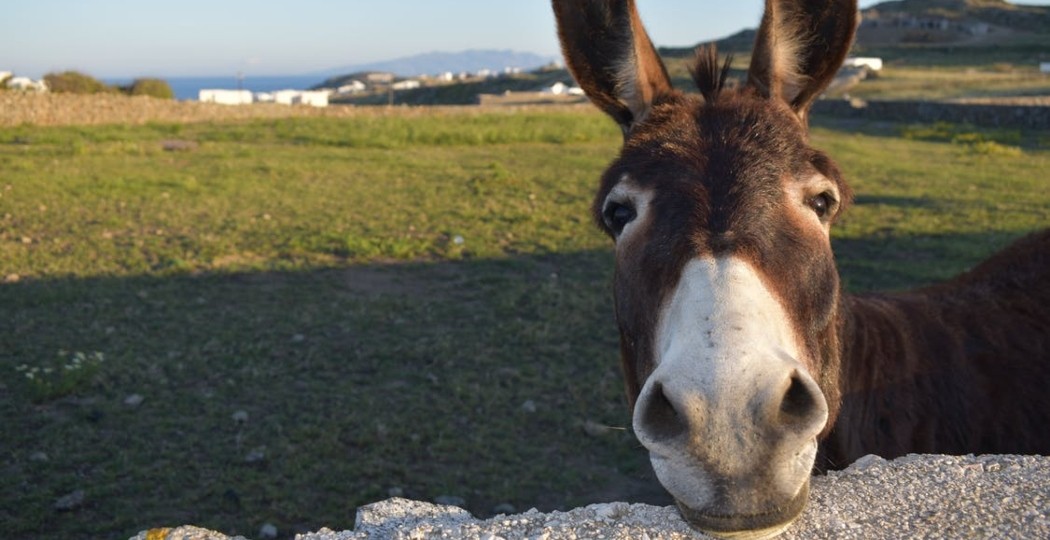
{"x": 434, "y": 63}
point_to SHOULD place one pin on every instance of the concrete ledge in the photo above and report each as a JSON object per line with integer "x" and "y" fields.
{"x": 917, "y": 496}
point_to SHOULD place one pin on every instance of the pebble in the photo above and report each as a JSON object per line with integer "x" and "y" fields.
{"x": 256, "y": 455}
{"x": 38, "y": 456}
{"x": 268, "y": 530}
{"x": 134, "y": 400}
{"x": 240, "y": 417}
{"x": 610, "y": 510}
{"x": 70, "y": 501}
{"x": 529, "y": 406}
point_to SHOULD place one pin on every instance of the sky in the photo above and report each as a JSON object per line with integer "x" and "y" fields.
{"x": 163, "y": 38}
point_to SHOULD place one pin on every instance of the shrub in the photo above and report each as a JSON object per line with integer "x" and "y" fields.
{"x": 74, "y": 82}
{"x": 157, "y": 88}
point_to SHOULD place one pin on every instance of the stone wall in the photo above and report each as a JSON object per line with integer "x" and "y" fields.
{"x": 978, "y": 114}
{"x": 917, "y": 496}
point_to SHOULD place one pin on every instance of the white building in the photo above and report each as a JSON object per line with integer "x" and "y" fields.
{"x": 874, "y": 64}
{"x": 26, "y": 84}
{"x": 313, "y": 98}
{"x": 352, "y": 87}
{"x": 225, "y": 97}
{"x": 407, "y": 84}
{"x": 285, "y": 97}
{"x": 562, "y": 89}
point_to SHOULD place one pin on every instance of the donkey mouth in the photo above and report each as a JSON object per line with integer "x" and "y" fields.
{"x": 752, "y": 526}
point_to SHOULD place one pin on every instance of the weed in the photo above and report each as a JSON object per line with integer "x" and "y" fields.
{"x": 1000, "y": 142}
{"x": 61, "y": 375}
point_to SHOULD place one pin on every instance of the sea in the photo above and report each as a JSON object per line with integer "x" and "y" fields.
{"x": 187, "y": 88}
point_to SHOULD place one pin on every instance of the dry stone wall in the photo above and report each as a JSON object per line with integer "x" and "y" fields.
{"x": 1001, "y": 115}
{"x": 917, "y": 496}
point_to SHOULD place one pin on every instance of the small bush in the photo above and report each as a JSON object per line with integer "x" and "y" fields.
{"x": 61, "y": 375}
{"x": 992, "y": 148}
{"x": 74, "y": 82}
{"x": 157, "y": 88}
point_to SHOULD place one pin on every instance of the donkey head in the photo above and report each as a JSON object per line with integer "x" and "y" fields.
{"x": 726, "y": 289}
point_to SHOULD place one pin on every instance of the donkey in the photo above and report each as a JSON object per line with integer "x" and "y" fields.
{"x": 746, "y": 366}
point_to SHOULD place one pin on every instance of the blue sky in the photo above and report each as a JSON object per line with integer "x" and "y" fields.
{"x": 126, "y": 38}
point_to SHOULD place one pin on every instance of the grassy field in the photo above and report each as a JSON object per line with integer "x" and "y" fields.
{"x": 939, "y": 83}
{"x": 286, "y": 319}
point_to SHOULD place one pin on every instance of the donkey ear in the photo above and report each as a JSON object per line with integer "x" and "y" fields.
{"x": 800, "y": 46}
{"x": 610, "y": 56}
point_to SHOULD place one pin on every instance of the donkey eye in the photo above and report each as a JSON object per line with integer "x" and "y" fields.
{"x": 617, "y": 216}
{"x": 822, "y": 204}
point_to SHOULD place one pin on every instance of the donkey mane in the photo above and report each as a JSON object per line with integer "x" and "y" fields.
{"x": 710, "y": 79}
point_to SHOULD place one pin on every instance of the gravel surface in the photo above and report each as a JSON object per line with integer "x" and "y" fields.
{"x": 994, "y": 496}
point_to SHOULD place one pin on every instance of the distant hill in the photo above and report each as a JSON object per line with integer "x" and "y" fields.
{"x": 434, "y": 63}
{"x": 950, "y": 21}
{"x": 972, "y": 33}
{"x": 934, "y": 32}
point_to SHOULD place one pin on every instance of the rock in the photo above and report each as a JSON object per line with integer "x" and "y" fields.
{"x": 529, "y": 406}
{"x": 134, "y": 400}
{"x": 70, "y": 501}
{"x": 256, "y": 455}
{"x": 267, "y": 531}
{"x": 866, "y": 462}
{"x": 39, "y": 457}
{"x": 240, "y": 417}
{"x": 610, "y": 510}
{"x": 186, "y": 532}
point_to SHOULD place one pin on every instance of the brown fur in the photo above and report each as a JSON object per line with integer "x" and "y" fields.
{"x": 961, "y": 367}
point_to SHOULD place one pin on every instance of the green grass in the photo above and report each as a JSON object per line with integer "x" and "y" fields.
{"x": 932, "y": 83}
{"x": 307, "y": 272}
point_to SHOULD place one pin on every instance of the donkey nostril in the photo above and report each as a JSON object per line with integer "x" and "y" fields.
{"x": 660, "y": 419}
{"x": 799, "y": 403}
